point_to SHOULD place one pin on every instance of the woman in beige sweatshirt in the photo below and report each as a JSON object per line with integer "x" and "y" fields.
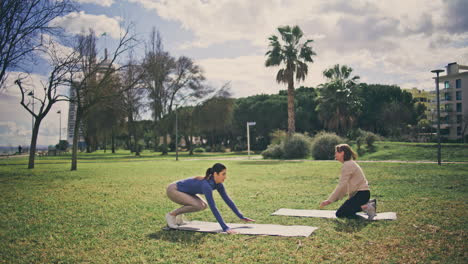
{"x": 352, "y": 182}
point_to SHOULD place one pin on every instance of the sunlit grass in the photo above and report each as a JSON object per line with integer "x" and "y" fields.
{"x": 113, "y": 212}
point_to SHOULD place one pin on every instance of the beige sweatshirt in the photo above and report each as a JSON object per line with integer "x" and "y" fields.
{"x": 352, "y": 179}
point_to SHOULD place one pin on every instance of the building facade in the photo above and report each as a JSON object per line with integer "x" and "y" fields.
{"x": 453, "y": 93}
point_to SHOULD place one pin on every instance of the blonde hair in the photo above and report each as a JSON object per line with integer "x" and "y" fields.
{"x": 348, "y": 152}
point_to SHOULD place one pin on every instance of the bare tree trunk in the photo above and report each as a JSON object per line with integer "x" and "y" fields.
{"x": 191, "y": 138}
{"x": 113, "y": 140}
{"x": 75, "y": 140}
{"x": 156, "y": 139}
{"x": 291, "y": 115}
{"x": 32, "y": 148}
{"x": 164, "y": 151}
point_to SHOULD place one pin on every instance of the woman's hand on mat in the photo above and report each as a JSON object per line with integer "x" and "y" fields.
{"x": 246, "y": 219}
{"x": 324, "y": 203}
{"x": 230, "y": 231}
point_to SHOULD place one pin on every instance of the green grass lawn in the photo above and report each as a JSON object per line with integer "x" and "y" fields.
{"x": 113, "y": 212}
{"x": 417, "y": 152}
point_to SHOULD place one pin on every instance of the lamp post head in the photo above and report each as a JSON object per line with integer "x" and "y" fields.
{"x": 437, "y": 71}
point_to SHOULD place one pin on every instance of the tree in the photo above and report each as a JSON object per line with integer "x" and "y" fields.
{"x": 216, "y": 119}
{"x": 93, "y": 74}
{"x": 62, "y": 66}
{"x": 339, "y": 105}
{"x": 169, "y": 82}
{"x": 157, "y": 64}
{"x": 102, "y": 120}
{"x": 132, "y": 95}
{"x": 22, "y": 24}
{"x": 294, "y": 56}
{"x": 376, "y": 99}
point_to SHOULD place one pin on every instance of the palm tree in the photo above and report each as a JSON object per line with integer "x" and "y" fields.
{"x": 339, "y": 106}
{"x": 294, "y": 56}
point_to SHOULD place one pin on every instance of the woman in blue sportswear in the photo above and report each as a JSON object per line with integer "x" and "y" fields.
{"x": 185, "y": 192}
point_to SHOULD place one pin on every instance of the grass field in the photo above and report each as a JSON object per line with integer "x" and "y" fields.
{"x": 417, "y": 152}
{"x": 112, "y": 211}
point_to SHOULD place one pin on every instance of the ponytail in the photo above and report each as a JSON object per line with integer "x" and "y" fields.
{"x": 217, "y": 167}
{"x": 209, "y": 173}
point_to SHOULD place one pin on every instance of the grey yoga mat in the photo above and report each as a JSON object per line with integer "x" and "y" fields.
{"x": 329, "y": 214}
{"x": 250, "y": 229}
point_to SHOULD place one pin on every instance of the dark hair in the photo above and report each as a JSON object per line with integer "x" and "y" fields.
{"x": 218, "y": 167}
{"x": 348, "y": 152}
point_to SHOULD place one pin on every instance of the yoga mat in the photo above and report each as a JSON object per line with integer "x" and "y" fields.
{"x": 250, "y": 229}
{"x": 329, "y": 214}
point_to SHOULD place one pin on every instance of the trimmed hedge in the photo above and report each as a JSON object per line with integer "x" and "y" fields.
{"x": 323, "y": 146}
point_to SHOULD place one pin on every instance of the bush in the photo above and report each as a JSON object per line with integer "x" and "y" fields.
{"x": 240, "y": 147}
{"x": 296, "y": 147}
{"x": 274, "y": 151}
{"x": 323, "y": 146}
{"x": 278, "y": 136}
{"x": 163, "y": 147}
{"x": 199, "y": 150}
{"x": 62, "y": 145}
{"x": 368, "y": 138}
{"x": 218, "y": 148}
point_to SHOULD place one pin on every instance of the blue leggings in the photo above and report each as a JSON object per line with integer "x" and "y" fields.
{"x": 353, "y": 205}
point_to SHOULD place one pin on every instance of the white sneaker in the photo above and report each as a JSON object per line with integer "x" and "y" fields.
{"x": 179, "y": 220}
{"x": 371, "y": 211}
{"x": 171, "y": 221}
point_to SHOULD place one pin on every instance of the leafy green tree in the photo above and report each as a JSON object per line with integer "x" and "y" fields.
{"x": 339, "y": 104}
{"x": 386, "y": 109}
{"x": 294, "y": 56}
{"x": 215, "y": 119}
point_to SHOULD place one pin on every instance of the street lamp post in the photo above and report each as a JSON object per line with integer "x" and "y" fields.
{"x": 31, "y": 93}
{"x": 177, "y": 136}
{"x": 248, "y": 136}
{"x": 438, "y": 114}
{"x": 60, "y": 125}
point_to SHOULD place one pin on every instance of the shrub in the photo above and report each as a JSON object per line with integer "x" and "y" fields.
{"x": 163, "y": 147}
{"x": 296, "y": 147}
{"x": 278, "y": 136}
{"x": 274, "y": 151}
{"x": 218, "y": 148}
{"x": 367, "y": 137}
{"x": 323, "y": 146}
{"x": 199, "y": 150}
{"x": 62, "y": 145}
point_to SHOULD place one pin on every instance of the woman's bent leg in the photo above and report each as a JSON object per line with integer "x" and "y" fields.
{"x": 353, "y": 205}
{"x": 191, "y": 203}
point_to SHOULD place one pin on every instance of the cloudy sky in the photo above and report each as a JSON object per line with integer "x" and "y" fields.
{"x": 386, "y": 42}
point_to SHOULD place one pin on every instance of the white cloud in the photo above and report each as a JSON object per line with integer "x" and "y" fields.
{"x": 97, "y": 2}
{"x": 389, "y": 42}
{"x": 55, "y": 50}
{"x": 15, "y": 121}
{"x": 80, "y": 22}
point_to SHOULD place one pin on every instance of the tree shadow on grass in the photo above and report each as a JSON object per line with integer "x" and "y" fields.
{"x": 178, "y": 236}
{"x": 351, "y": 225}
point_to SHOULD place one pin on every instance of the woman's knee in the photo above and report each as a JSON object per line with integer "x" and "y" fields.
{"x": 340, "y": 214}
{"x": 202, "y": 205}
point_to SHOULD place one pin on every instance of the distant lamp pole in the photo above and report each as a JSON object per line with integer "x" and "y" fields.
{"x": 60, "y": 125}
{"x": 248, "y": 136}
{"x": 176, "y": 135}
{"x": 438, "y": 114}
{"x": 31, "y": 93}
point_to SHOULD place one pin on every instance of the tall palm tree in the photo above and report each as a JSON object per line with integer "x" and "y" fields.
{"x": 294, "y": 57}
{"x": 339, "y": 105}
